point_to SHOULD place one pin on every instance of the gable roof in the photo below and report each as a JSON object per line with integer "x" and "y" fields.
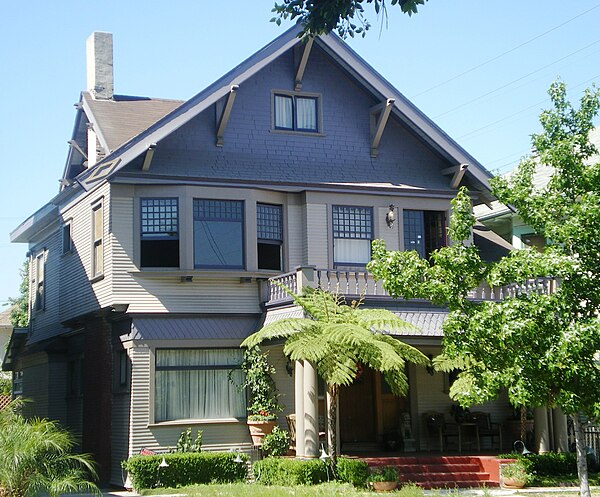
{"x": 404, "y": 110}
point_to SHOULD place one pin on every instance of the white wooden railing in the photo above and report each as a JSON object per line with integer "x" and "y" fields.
{"x": 361, "y": 283}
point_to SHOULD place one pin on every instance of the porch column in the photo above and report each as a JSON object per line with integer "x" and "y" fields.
{"x": 561, "y": 438}
{"x": 542, "y": 434}
{"x": 311, "y": 411}
{"x": 299, "y": 406}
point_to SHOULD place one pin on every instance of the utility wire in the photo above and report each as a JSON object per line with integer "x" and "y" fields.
{"x": 515, "y": 80}
{"x": 502, "y": 54}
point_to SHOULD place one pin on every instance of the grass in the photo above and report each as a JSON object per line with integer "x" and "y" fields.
{"x": 255, "y": 490}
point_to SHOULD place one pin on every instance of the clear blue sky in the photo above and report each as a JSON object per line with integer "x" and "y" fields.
{"x": 174, "y": 49}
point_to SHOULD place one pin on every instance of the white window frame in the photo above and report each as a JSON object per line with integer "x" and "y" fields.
{"x": 98, "y": 249}
{"x": 67, "y": 237}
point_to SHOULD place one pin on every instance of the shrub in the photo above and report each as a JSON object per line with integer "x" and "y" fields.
{"x": 385, "y": 473}
{"x": 185, "y": 469}
{"x": 185, "y": 443}
{"x": 352, "y": 471}
{"x": 276, "y": 443}
{"x": 289, "y": 472}
{"x": 549, "y": 464}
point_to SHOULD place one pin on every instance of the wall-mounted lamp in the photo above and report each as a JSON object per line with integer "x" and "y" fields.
{"x": 430, "y": 369}
{"x": 390, "y": 217}
{"x": 289, "y": 367}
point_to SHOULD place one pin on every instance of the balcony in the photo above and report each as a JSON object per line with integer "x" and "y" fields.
{"x": 359, "y": 283}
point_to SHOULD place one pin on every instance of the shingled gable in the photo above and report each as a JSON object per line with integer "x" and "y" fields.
{"x": 403, "y": 109}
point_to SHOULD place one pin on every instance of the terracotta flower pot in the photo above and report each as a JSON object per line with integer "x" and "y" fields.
{"x": 512, "y": 483}
{"x": 384, "y": 486}
{"x": 258, "y": 430}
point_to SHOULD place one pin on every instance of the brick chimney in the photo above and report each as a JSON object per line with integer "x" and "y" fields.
{"x": 99, "y": 58}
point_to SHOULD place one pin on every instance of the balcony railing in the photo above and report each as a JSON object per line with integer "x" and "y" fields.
{"x": 360, "y": 283}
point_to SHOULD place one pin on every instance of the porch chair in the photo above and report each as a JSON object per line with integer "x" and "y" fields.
{"x": 488, "y": 429}
{"x": 437, "y": 428}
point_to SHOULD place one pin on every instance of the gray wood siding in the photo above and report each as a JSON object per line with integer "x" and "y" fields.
{"x": 35, "y": 385}
{"x": 317, "y": 220}
{"x": 119, "y": 436}
{"x": 295, "y": 239}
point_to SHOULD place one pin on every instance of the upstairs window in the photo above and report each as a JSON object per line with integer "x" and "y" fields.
{"x": 67, "y": 240}
{"x": 97, "y": 240}
{"x": 39, "y": 284}
{"x": 424, "y": 231}
{"x": 296, "y": 113}
{"x": 159, "y": 237}
{"x": 269, "y": 232}
{"x": 352, "y": 235}
{"x": 218, "y": 234}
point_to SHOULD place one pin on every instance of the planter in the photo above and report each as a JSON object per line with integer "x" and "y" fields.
{"x": 384, "y": 486}
{"x": 258, "y": 430}
{"x": 512, "y": 483}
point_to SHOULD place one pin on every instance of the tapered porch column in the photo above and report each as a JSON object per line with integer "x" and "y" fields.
{"x": 311, "y": 411}
{"x": 299, "y": 407}
{"x": 561, "y": 438}
{"x": 542, "y": 432}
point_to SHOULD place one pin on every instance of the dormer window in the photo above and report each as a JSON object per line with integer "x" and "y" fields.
{"x": 296, "y": 112}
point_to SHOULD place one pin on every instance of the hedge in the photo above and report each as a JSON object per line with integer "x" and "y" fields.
{"x": 289, "y": 472}
{"x": 352, "y": 471}
{"x": 548, "y": 464}
{"x": 185, "y": 469}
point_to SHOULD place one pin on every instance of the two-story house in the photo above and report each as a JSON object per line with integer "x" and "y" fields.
{"x": 152, "y": 263}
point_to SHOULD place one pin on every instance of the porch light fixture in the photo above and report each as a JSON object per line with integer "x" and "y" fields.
{"x": 163, "y": 463}
{"x": 390, "y": 217}
{"x": 525, "y": 451}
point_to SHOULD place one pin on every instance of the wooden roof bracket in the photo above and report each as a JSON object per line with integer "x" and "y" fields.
{"x": 148, "y": 157}
{"x": 74, "y": 145}
{"x": 383, "y": 109}
{"x": 458, "y": 172}
{"x": 302, "y": 66}
{"x": 226, "y": 113}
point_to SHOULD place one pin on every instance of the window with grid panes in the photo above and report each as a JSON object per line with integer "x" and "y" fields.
{"x": 159, "y": 237}
{"x": 352, "y": 235}
{"x": 424, "y": 231}
{"x": 218, "y": 234}
{"x": 269, "y": 234}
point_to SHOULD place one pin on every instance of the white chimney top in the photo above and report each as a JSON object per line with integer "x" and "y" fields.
{"x": 99, "y": 57}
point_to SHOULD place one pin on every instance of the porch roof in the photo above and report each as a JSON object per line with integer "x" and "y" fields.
{"x": 428, "y": 321}
{"x": 211, "y": 326}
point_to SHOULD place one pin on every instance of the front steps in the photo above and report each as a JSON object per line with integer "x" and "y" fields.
{"x": 442, "y": 471}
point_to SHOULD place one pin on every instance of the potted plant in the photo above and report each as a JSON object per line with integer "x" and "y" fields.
{"x": 384, "y": 479}
{"x": 514, "y": 475}
{"x": 262, "y": 394}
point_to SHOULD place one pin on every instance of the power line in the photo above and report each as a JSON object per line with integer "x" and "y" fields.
{"x": 515, "y": 80}
{"x": 503, "y": 53}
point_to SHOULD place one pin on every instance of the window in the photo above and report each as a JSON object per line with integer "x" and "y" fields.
{"x": 218, "y": 234}
{"x": 352, "y": 235}
{"x": 424, "y": 231}
{"x": 195, "y": 384}
{"x": 159, "y": 238}
{"x": 17, "y": 383}
{"x": 97, "y": 240}
{"x": 67, "y": 241}
{"x": 40, "y": 294}
{"x": 269, "y": 232}
{"x": 296, "y": 113}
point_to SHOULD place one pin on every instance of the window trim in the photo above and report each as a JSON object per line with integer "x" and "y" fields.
{"x": 317, "y": 97}
{"x": 67, "y": 241}
{"x": 347, "y": 264}
{"x": 97, "y": 241}
{"x": 243, "y": 240}
{"x": 39, "y": 278}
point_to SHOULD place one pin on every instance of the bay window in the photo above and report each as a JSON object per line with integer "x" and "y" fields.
{"x": 159, "y": 234}
{"x": 269, "y": 234}
{"x": 352, "y": 235}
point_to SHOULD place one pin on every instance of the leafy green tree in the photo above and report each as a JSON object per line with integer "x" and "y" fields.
{"x": 345, "y": 16}
{"x": 542, "y": 347}
{"x": 337, "y": 338}
{"x": 19, "y": 314}
{"x": 36, "y": 458}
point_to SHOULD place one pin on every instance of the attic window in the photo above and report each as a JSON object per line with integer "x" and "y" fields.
{"x": 292, "y": 112}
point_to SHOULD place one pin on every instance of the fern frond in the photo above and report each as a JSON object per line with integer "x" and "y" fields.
{"x": 381, "y": 320}
{"x": 279, "y": 329}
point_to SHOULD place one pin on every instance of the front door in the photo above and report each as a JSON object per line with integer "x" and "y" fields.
{"x": 357, "y": 409}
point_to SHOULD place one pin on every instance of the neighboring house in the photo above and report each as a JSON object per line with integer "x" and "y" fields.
{"x": 151, "y": 265}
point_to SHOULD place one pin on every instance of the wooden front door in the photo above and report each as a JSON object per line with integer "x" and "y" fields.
{"x": 357, "y": 410}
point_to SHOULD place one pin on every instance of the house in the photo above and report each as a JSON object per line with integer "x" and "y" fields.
{"x": 152, "y": 263}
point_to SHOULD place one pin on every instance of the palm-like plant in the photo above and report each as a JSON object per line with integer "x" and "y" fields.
{"x": 36, "y": 458}
{"x": 337, "y": 338}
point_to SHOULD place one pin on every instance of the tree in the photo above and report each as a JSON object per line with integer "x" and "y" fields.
{"x": 345, "y": 16}
{"x": 541, "y": 347}
{"x": 19, "y": 314}
{"x": 337, "y": 338}
{"x": 36, "y": 458}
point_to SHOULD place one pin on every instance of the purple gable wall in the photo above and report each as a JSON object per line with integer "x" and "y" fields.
{"x": 251, "y": 151}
